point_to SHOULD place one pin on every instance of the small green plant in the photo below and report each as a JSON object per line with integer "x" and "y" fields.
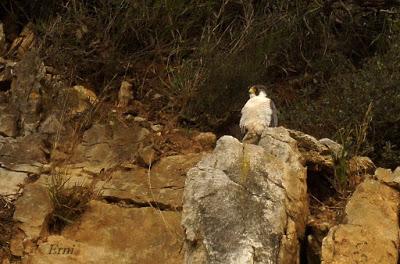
{"x": 340, "y": 161}
{"x": 69, "y": 200}
{"x": 390, "y": 154}
{"x": 353, "y": 141}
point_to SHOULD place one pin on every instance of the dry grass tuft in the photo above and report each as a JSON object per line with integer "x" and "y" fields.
{"x": 69, "y": 201}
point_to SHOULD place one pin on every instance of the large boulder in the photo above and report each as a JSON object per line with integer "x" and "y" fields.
{"x": 370, "y": 232}
{"x": 246, "y": 203}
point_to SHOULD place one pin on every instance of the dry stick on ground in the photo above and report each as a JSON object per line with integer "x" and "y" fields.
{"x": 317, "y": 200}
{"x": 168, "y": 227}
{"x": 361, "y": 131}
{"x": 322, "y": 204}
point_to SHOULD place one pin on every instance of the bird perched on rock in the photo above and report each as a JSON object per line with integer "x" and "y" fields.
{"x": 258, "y": 113}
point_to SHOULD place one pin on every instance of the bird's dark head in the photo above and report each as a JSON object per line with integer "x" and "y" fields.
{"x": 256, "y": 90}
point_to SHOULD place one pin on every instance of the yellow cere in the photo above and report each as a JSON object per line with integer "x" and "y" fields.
{"x": 252, "y": 90}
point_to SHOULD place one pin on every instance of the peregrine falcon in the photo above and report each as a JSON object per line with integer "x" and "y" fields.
{"x": 258, "y": 113}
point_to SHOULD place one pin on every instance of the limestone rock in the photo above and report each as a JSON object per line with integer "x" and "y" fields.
{"x": 316, "y": 154}
{"x": 51, "y": 125}
{"x": 254, "y": 196}
{"x": 139, "y": 119}
{"x": 125, "y": 94}
{"x": 111, "y": 234}
{"x": 370, "y": 233}
{"x": 85, "y": 94}
{"x": 6, "y": 72}
{"x": 24, "y": 41}
{"x": 163, "y": 184}
{"x": 19, "y": 158}
{"x": 147, "y": 156}
{"x": 106, "y": 146}
{"x": 206, "y": 139}
{"x": 307, "y": 142}
{"x": 25, "y": 89}
{"x": 58, "y": 155}
{"x": 11, "y": 181}
{"x": 156, "y": 128}
{"x": 388, "y": 177}
{"x": 32, "y": 210}
{"x": 79, "y": 99}
{"x": 334, "y": 147}
{"x": 279, "y": 143}
{"x": 25, "y": 151}
{"x": 28, "y": 39}
{"x": 26, "y": 92}
{"x": 33, "y": 218}
{"x": 8, "y": 124}
{"x": 361, "y": 166}
{"x": 17, "y": 243}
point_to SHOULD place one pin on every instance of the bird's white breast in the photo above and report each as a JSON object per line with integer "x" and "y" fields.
{"x": 256, "y": 115}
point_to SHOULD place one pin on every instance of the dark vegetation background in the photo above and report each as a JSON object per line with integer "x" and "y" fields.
{"x": 323, "y": 61}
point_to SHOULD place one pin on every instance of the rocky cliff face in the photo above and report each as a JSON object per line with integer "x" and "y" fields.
{"x": 50, "y": 130}
{"x": 163, "y": 197}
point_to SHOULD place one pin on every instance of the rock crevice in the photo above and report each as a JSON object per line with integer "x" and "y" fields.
{"x": 129, "y": 203}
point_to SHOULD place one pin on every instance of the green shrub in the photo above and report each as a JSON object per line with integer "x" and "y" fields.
{"x": 344, "y": 100}
{"x": 334, "y": 57}
{"x": 353, "y": 140}
{"x": 283, "y": 41}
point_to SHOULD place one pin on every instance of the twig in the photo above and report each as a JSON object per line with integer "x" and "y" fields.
{"x": 153, "y": 198}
